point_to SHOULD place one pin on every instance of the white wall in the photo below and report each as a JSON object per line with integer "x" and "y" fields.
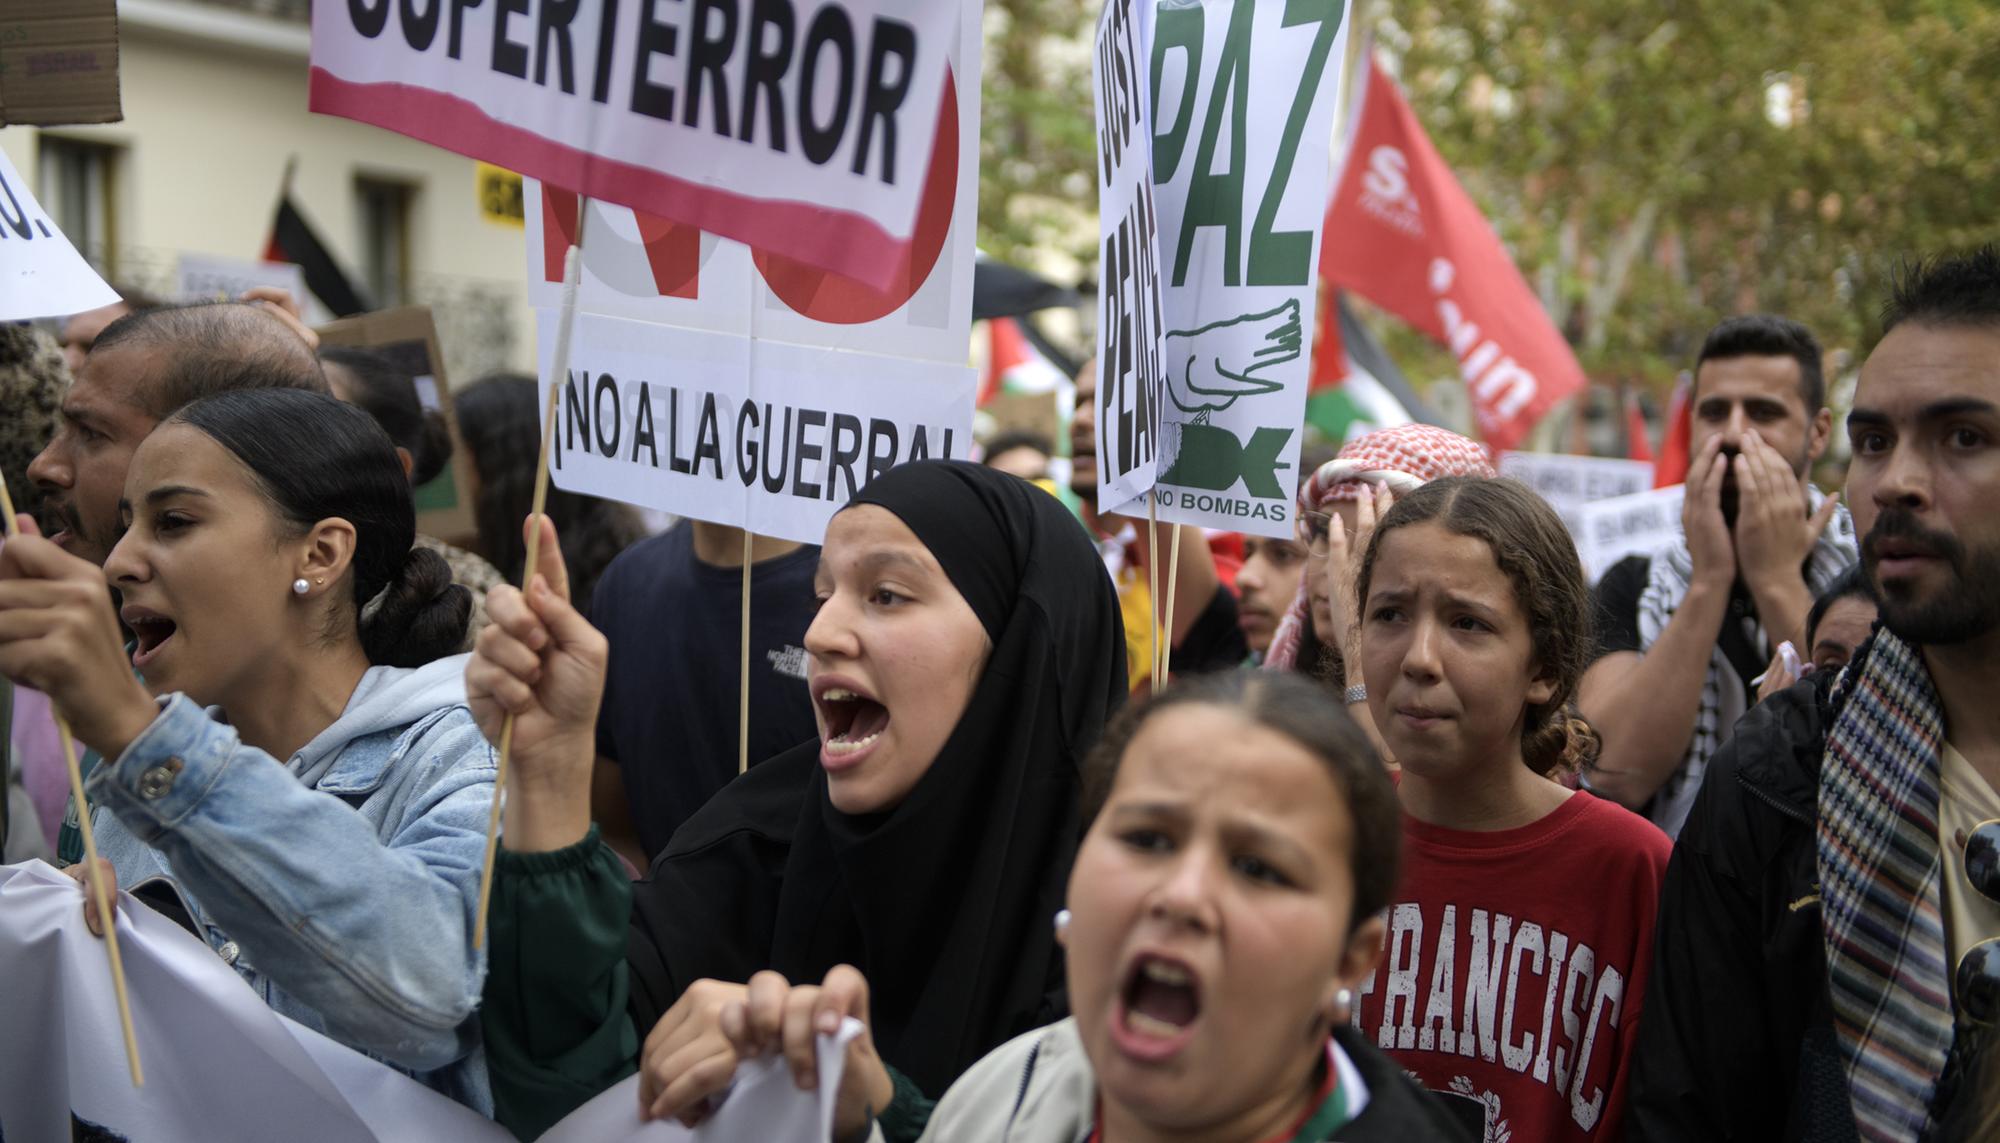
{"x": 215, "y": 104}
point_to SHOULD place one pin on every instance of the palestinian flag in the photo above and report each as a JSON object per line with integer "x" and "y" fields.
{"x": 1014, "y": 364}
{"x": 1355, "y": 388}
{"x": 293, "y": 240}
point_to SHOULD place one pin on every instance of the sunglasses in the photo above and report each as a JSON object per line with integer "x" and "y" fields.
{"x": 1977, "y": 981}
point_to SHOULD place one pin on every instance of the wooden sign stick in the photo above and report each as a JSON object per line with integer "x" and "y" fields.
{"x": 1173, "y": 582}
{"x": 743, "y": 683}
{"x": 99, "y": 892}
{"x": 565, "y": 324}
{"x": 1153, "y": 591}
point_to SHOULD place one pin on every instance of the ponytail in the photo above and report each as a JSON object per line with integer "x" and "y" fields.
{"x": 1557, "y": 743}
{"x": 419, "y": 617}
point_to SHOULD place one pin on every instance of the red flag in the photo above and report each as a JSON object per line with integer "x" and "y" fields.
{"x": 1329, "y": 357}
{"x": 1402, "y": 232}
{"x": 1672, "y": 466}
{"x": 1638, "y": 446}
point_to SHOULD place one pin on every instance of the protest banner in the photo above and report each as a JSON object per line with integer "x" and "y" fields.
{"x": 1404, "y": 234}
{"x": 802, "y": 129}
{"x": 41, "y": 274}
{"x": 1609, "y": 530}
{"x": 407, "y": 336}
{"x": 1570, "y": 482}
{"x": 1242, "y": 108}
{"x": 227, "y": 1067}
{"x": 1130, "y": 318}
{"x": 747, "y": 388}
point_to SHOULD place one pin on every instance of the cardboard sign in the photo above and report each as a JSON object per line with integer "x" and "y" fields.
{"x": 59, "y": 62}
{"x": 744, "y": 387}
{"x": 499, "y": 193}
{"x": 1610, "y": 530}
{"x": 41, "y": 274}
{"x": 1130, "y": 320}
{"x": 407, "y": 336}
{"x": 1570, "y": 482}
{"x": 800, "y": 128}
{"x": 1243, "y": 97}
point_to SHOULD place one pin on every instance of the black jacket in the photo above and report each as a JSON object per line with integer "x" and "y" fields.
{"x": 1738, "y": 1040}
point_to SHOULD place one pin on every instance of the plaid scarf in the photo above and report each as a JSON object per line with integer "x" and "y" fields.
{"x": 1880, "y": 870}
{"x": 1402, "y": 457}
{"x": 1668, "y": 577}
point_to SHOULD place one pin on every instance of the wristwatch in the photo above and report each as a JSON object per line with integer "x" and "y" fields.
{"x": 1357, "y": 693}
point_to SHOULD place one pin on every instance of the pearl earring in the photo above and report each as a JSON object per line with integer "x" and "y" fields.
{"x": 300, "y": 586}
{"x": 1062, "y": 922}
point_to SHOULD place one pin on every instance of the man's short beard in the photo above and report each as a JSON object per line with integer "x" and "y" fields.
{"x": 1084, "y": 489}
{"x": 1966, "y": 609}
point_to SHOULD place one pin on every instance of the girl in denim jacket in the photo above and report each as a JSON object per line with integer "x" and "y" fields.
{"x": 289, "y": 766}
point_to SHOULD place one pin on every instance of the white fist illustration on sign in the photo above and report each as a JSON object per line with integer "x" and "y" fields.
{"x": 1209, "y": 368}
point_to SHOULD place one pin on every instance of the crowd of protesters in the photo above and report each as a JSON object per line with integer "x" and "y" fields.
{"x": 1422, "y": 836}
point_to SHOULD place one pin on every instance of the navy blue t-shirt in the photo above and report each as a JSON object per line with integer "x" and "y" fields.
{"x": 669, "y": 714}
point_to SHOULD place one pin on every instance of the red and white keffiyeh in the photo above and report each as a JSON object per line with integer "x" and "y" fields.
{"x": 1404, "y": 457}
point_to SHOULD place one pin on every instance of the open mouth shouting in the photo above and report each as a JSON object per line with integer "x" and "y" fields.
{"x": 152, "y": 630}
{"x": 1157, "y": 1008}
{"x": 854, "y": 722}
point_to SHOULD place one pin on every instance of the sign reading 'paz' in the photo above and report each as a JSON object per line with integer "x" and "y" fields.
{"x": 1235, "y": 104}
{"x": 801, "y": 128}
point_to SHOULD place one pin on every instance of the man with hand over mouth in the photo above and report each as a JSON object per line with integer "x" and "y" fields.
{"x": 1683, "y": 630}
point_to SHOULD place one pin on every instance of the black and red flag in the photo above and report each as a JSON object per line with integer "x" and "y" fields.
{"x": 293, "y": 240}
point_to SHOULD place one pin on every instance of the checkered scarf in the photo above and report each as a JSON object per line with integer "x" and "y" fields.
{"x": 1403, "y": 457}
{"x": 1887, "y": 957}
{"x": 1668, "y": 576}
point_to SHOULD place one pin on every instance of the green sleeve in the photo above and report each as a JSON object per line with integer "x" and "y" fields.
{"x": 908, "y": 1113}
{"x": 553, "y": 1014}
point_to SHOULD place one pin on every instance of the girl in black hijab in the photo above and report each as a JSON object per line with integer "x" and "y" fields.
{"x": 966, "y": 655}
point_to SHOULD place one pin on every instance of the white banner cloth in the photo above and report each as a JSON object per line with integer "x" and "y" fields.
{"x": 221, "y": 1065}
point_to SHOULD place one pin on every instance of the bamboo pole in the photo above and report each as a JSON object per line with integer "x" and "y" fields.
{"x": 99, "y": 893}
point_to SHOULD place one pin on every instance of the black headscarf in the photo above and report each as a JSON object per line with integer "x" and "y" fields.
{"x": 945, "y": 901}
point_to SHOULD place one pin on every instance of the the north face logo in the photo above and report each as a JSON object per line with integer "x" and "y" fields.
{"x": 789, "y": 661}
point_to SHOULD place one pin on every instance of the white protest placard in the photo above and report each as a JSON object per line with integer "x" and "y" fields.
{"x": 1610, "y": 530}
{"x": 764, "y": 435}
{"x": 1570, "y": 482}
{"x": 209, "y": 277}
{"x": 803, "y": 127}
{"x": 1243, "y": 101}
{"x": 746, "y": 387}
{"x": 1130, "y": 318}
{"x": 41, "y": 274}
